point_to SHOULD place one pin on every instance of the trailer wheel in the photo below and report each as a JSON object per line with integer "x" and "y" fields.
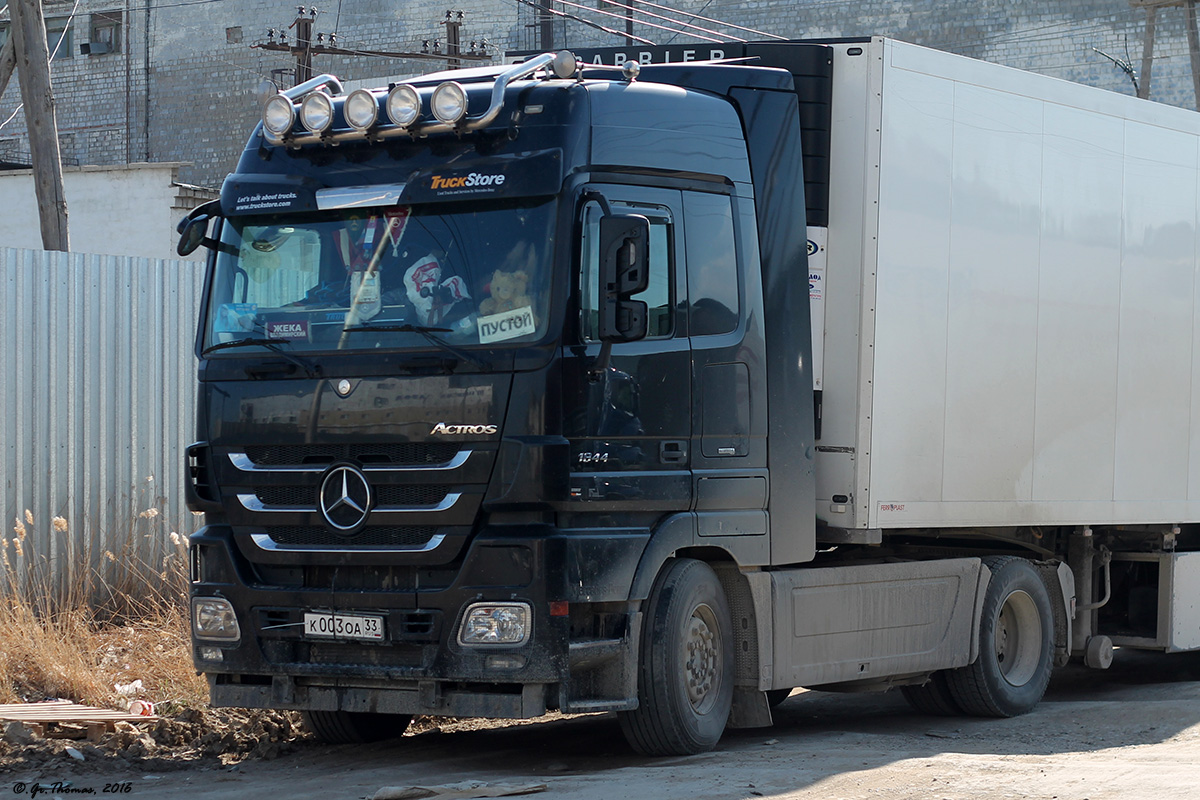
{"x": 932, "y": 698}
{"x": 685, "y": 669}
{"x": 349, "y": 727}
{"x": 1016, "y": 645}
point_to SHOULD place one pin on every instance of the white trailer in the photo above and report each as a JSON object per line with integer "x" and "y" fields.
{"x": 1005, "y": 335}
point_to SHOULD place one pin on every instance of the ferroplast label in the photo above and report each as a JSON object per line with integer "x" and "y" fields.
{"x": 507, "y": 325}
{"x": 290, "y": 329}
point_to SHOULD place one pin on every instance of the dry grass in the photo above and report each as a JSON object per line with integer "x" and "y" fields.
{"x": 77, "y": 629}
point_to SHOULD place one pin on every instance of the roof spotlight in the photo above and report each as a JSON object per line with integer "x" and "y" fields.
{"x": 279, "y": 115}
{"x": 316, "y": 112}
{"x": 403, "y": 105}
{"x": 565, "y": 64}
{"x": 449, "y": 102}
{"x": 361, "y": 109}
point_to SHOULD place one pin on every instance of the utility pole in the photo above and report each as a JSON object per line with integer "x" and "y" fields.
{"x": 305, "y": 47}
{"x": 8, "y": 63}
{"x": 629, "y": 24}
{"x": 28, "y": 36}
{"x": 1152, "y": 7}
{"x": 453, "y": 25}
{"x": 545, "y": 26}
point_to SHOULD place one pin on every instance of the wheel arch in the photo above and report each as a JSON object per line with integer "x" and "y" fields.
{"x": 749, "y": 596}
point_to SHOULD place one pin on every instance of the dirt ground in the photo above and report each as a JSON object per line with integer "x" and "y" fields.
{"x": 1131, "y": 732}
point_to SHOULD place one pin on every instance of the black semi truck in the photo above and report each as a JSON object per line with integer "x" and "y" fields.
{"x": 663, "y": 389}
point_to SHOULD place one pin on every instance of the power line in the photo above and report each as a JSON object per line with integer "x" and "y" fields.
{"x": 587, "y": 22}
{"x": 57, "y": 45}
{"x": 691, "y": 15}
{"x": 641, "y": 22}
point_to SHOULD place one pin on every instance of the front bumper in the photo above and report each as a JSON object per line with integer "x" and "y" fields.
{"x": 419, "y": 667}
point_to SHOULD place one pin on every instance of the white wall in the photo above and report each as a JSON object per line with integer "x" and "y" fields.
{"x": 127, "y": 210}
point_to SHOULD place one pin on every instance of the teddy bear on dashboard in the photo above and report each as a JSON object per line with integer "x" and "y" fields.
{"x": 507, "y": 293}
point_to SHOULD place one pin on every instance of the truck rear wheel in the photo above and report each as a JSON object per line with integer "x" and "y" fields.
{"x": 932, "y": 698}
{"x": 685, "y": 669}
{"x": 348, "y": 727}
{"x": 1016, "y": 645}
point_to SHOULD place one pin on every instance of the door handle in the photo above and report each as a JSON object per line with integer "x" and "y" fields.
{"x": 672, "y": 451}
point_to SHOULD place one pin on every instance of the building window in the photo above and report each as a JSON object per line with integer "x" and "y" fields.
{"x": 105, "y": 33}
{"x": 58, "y": 38}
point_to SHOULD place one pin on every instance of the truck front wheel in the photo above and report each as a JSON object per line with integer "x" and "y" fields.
{"x": 685, "y": 670}
{"x": 1016, "y": 645}
{"x": 348, "y": 727}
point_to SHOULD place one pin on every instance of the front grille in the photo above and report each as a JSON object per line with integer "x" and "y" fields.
{"x": 288, "y": 495}
{"x": 400, "y": 655}
{"x": 403, "y": 453}
{"x": 405, "y": 496}
{"x": 372, "y": 536}
{"x": 390, "y": 496}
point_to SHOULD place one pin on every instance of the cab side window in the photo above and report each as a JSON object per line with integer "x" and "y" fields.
{"x": 657, "y": 295}
{"x": 711, "y": 264}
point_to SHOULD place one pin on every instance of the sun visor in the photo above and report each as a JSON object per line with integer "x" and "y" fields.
{"x": 528, "y": 175}
{"x": 268, "y": 194}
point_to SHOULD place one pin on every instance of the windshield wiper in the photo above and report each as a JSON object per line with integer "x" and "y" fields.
{"x": 310, "y": 369}
{"x": 428, "y": 333}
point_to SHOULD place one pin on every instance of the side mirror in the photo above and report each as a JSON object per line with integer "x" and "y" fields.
{"x": 624, "y": 272}
{"x": 194, "y": 226}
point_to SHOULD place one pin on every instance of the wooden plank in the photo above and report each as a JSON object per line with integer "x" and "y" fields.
{"x": 66, "y": 711}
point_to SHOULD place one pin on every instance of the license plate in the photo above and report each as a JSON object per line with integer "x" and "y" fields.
{"x": 343, "y": 626}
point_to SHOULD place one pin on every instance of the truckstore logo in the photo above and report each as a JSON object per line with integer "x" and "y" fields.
{"x": 467, "y": 181}
{"x": 455, "y": 430}
{"x": 345, "y": 498}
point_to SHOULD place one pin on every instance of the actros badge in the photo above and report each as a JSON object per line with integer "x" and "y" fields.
{"x": 345, "y": 498}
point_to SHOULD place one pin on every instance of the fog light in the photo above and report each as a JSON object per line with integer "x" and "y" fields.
{"x": 505, "y": 661}
{"x": 361, "y": 109}
{"x": 449, "y": 102}
{"x": 495, "y": 623}
{"x": 279, "y": 115}
{"x": 212, "y": 654}
{"x": 403, "y": 105}
{"x": 316, "y": 112}
{"x": 213, "y": 618}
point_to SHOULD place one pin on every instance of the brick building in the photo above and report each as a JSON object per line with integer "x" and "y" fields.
{"x": 178, "y": 80}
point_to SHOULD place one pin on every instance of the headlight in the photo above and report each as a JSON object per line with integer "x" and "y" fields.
{"x": 316, "y": 112}
{"x": 403, "y": 105}
{"x": 361, "y": 109}
{"x": 495, "y": 623}
{"x": 279, "y": 115}
{"x": 449, "y": 102}
{"x": 213, "y": 618}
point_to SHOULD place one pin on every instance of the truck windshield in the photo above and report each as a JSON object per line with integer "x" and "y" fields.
{"x": 358, "y": 279}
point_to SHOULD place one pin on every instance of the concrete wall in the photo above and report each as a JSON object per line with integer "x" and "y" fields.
{"x": 127, "y": 210}
{"x": 195, "y": 93}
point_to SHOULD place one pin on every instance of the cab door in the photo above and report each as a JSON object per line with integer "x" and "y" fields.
{"x": 629, "y": 422}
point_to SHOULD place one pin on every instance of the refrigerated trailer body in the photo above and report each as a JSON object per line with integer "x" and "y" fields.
{"x": 854, "y": 365}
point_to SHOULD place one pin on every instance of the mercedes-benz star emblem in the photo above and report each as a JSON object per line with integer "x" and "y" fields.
{"x": 343, "y": 387}
{"x": 345, "y": 498}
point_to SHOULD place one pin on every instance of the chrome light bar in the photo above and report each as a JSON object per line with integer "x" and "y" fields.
{"x": 562, "y": 65}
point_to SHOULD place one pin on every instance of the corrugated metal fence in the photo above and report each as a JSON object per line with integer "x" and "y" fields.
{"x": 99, "y": 403}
